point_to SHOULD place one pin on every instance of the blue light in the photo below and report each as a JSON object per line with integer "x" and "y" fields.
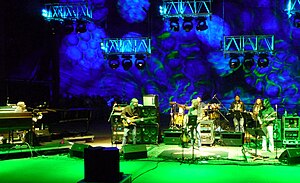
{"x": 45, "y": 13}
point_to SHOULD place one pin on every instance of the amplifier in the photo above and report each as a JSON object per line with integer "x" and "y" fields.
{"x": 172, "y": 137}
{"x": 232, "y": 138}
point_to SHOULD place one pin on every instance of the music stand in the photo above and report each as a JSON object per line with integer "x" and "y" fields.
{"x": 192, "y": 121}
{"x": 256, "y": 132}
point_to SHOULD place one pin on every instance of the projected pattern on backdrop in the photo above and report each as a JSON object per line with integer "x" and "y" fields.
{"x": 186, "y": 64}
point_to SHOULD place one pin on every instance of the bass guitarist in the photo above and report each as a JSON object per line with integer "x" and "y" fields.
{"x": 129, "y": 113}
{"x": 266, "y": 117}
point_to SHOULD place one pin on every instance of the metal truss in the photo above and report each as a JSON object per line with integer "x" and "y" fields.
{"x": 293, "y": 6}
{"x": 248, "y": 44}
{"x": 186, "y": 8}
{"x": 126, "y": 46}
{"x": 73, "y": 11}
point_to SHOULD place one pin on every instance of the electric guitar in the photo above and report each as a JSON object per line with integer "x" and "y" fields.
{"x": 267, "y": 120}
{"x": 134, "y": 119}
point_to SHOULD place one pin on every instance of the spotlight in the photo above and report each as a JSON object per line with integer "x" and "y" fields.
{"x": 113, "y": 62}
{"x": 174, "y": 24}
{"x": 234, "y": 61}
{"x": 263, "y": 60}
{"x": 68, "y": 26}
{"x": 126, "y": 62}
{"x": 201, "y": 24}
{"x": 80, "y": 26}
{"x": 187, "y": 24}
{"x": 140, "y": 61}
{"x": 248, "y": 61}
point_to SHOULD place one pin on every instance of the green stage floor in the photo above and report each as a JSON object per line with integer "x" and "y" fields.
{"x": 62, "y": 168}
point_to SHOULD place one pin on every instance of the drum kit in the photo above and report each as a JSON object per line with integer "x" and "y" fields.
{"x": 178, "y": 113}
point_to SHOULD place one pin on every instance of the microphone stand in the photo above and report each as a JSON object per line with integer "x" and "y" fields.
{"x": 223, "y": 107}
{"x": 277, "y": 131}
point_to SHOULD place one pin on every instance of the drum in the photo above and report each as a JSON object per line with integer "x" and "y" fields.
{"x": 214, "y": 115}
{"x": 178, "y": 118}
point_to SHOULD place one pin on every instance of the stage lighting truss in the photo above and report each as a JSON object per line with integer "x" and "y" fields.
{"x": 185, "y": 8}
{"x": 293, "y": 6}
{"x": 126, "y": 46}
{"x": 73, "y": 11}
{"x": 248, "y": 44}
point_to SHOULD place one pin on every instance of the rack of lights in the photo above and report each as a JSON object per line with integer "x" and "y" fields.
{"x": 293, "y": 6}
{"x": 186, "y": 8}
{"x": 73, "y": 11}
{"x": 115, "y": 46}
{"x": 248, "y": 44}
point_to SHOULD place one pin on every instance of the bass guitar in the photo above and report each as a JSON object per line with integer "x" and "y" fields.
{"x": 134, "y": 119}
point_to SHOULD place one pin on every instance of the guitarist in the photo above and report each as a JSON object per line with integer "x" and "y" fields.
{"x": 266, "y": 117}
{"x": 129, "y": 113}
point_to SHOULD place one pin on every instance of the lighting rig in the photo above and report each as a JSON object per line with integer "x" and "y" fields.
{"x": 115, "y": 49}
{"x": 248, "y": 46}
{"x": 189, "y": 11}
{"x": 69, "y": 15}
{"x": 293, "y": 11}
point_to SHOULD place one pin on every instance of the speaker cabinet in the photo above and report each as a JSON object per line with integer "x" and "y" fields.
{"x": 145, "y": 134}
{"x": 232, "y": 139}
{"x": 290, "y": 156}
{"x": 77, "y": 150}
{"x": 102, "y": 164}
{"x": 135, "y": 151}
{"x": 150, "y": 114}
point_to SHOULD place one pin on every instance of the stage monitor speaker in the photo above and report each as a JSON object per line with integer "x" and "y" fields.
{"x": 290, "y": 156}
{"x": 102, "y": 164}
{"x": 132, "y": 151}
{"x": 232, "y": 138}
{"x": 77, "y": 150}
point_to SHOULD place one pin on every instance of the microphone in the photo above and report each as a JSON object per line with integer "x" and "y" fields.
{"x": 214, "y": 96}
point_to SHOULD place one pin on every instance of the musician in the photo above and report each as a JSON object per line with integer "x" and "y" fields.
{"x": 258, "y": 105}
{"x": 21, "y": 107}
{"x": 266, "y": 117}
{"x": 129, "y": 112}
{"x": 237, "y": 107}
{"x": 196, "y": 109}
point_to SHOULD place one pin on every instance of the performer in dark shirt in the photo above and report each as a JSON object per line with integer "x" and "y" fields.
{"x": 129, "y": 114}
{"x": 237, "y": 108}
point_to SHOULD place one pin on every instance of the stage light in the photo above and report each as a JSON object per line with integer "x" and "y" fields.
{"x": 263, "y": 60}
{"x": 174, "y": 24}
{"x": 234, "y": 61}
{"x": 126, "y": 62}
{"x": 187, "y": 24}
{"x": 248, "y": 61}
{"x": 140, "y": 62}
{"x": 113, "y": 61}
{"x": 201, "y": 24}
{"x": 80, "y": 26}
{"x": 296, "y": 21}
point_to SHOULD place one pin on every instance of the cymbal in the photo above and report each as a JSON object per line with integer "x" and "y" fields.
{"x": 172, "y": 103}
